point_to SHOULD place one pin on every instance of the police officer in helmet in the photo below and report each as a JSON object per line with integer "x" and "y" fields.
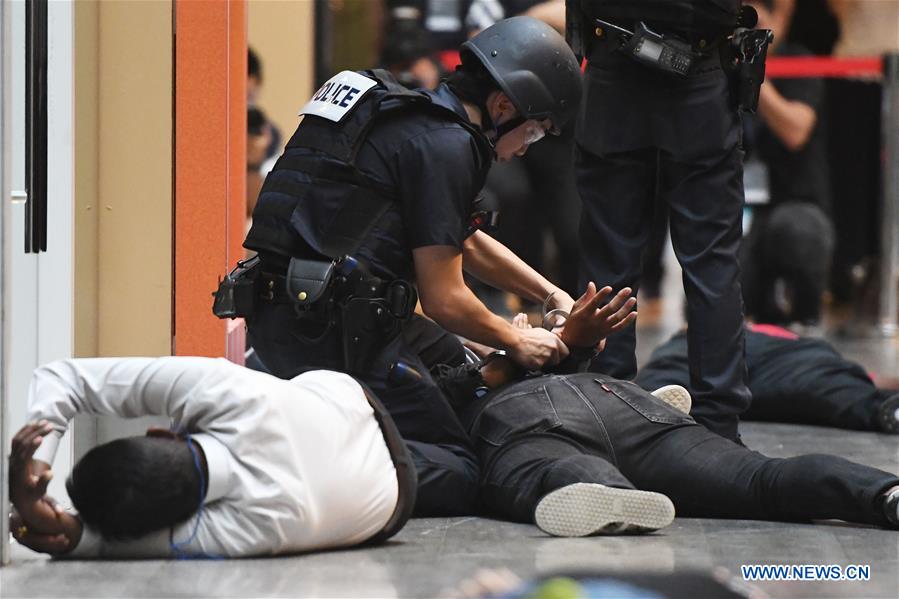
{"x": 662, "y": 90}
{"x": 378, "y": 188}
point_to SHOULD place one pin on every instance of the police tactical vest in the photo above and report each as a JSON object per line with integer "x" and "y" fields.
{"x": 315, "y": 202}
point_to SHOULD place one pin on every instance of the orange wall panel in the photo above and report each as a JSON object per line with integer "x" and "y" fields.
{"x": 210, "y": 164}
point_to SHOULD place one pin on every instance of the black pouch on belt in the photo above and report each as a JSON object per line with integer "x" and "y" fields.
{"x": 236, "y": 293}
{"x": 309, "y": 281}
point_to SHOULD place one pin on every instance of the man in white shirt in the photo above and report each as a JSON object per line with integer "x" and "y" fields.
{"x": 255, "y": 465}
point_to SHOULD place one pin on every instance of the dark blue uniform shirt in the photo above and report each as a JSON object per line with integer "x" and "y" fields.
{"x": 432, "y": 167}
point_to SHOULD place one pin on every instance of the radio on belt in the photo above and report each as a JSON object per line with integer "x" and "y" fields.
{"x": 652, "y": 49}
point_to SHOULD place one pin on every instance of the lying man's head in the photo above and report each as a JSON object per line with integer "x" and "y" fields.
{"x": 129, "y": 487}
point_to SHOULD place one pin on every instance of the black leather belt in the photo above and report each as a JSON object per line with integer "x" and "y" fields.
{"x": 273, "y": 287}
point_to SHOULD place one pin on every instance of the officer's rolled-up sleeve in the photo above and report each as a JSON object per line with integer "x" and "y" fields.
{"x": 438, "y": 182}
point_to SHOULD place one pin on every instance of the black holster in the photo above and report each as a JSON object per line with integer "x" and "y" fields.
{"x": 236, "y": 293}
{"x": 368, "y": 312}
{"x": 369, "y": 324}
{"x": 747, "y": 53}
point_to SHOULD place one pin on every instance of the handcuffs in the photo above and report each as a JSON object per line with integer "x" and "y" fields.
{"x": 550, "y": 316}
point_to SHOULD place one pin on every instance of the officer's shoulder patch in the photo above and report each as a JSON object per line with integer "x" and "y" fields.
{"x": 338, "y": 96}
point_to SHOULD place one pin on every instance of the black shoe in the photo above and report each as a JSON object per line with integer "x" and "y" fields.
{"x": 891, "y": 507}
{"x": 888, "y": 416}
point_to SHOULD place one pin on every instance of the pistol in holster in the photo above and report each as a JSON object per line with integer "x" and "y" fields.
{"x": 749, "y": 50}
{"x": 236, "y": 293}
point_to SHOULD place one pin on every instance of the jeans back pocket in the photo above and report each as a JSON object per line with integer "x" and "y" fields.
{"x": 650, "y": 407}
{"x": 518, "y": 413}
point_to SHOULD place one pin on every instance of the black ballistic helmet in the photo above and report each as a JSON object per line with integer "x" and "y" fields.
{"x": 532, "y": 64}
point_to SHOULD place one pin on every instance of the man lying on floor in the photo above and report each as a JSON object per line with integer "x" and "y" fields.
{"x": 793, "y": 379}
{"x": 254, "y": 465}
{"x": 584, "y": 453}
{"x": 803, "y": 380}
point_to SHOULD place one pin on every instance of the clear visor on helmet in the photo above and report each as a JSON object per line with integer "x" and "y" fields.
{"x": 533, "y": 132}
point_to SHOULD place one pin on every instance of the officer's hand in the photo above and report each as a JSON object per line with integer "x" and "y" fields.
{"x": 537, "y": 348}
{"x": 589, "y": 324}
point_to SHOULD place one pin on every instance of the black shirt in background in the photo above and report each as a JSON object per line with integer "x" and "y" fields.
{"x": 803, "y": 174}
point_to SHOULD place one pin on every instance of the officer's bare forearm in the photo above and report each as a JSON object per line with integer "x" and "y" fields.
{"x": 445, "y": 298}
{"x": 495, "y": 264}
{"x": 462, "y": 313}
{"x": 551, "y": 12}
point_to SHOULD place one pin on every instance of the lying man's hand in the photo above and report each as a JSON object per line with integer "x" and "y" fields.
{"x": 39, "y": 522}
{"x": 559, "y": 300}
{"x": 588, "y": 325}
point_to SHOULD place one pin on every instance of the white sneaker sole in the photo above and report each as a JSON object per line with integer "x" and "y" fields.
{"x": 675, "y": 396}
{"x": 583, "y": 509}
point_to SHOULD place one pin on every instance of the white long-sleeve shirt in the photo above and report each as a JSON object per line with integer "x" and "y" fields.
{"x": 293, "y": 465}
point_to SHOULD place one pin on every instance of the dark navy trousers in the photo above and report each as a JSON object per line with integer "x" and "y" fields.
{"x": 643, "y": 135}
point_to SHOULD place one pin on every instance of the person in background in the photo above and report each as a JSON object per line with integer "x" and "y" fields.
{"x": 443, "y": 20}
{"x": 407, "y": 54}
{"x": 484, "y": 13}
{"x": 867, "y": 28}
{"x": 787, "y": 130}
{"x": 263, "y": 137}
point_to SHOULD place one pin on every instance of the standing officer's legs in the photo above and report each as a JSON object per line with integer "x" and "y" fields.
{"x": 705, "y": 196}
{"x": 617, "y": 192}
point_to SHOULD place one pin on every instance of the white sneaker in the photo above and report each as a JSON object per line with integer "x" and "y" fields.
{"x": 675, "y": 396}
{"x": 583, "y": 509}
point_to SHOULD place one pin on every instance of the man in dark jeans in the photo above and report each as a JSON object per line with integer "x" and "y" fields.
{"x": 792, "y": 379}
{"x": 583, "y": 453}
{"x": 553, "y": 446}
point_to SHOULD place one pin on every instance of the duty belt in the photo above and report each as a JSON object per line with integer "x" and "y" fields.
{"x": 671, "y": 51}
